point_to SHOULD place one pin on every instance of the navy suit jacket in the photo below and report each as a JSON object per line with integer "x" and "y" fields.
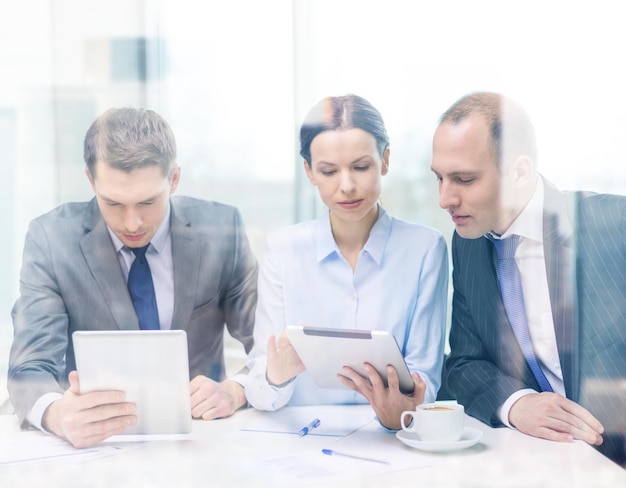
{"x": 585, "y": 255}
{"x": 71, "y": 280}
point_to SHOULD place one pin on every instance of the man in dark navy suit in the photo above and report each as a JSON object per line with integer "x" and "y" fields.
{"x": 566, "y": 380}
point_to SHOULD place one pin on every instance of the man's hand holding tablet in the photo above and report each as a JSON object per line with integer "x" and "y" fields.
{"x": 87, "y": 419}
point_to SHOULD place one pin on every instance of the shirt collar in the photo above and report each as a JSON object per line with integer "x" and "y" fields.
{"x": 375, "y": 245}
{"x": 159, "y": 239}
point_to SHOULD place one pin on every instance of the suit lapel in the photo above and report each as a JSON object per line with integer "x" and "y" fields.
{"x": 99, "y": 254}
{"x": 186, "y": 259}
{"x": 560, "y": 269}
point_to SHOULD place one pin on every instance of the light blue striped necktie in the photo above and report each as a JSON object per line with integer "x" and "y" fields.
{"x": 513, "y": 298}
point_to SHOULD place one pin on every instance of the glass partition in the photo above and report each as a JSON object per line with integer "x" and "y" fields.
{"x": 235, "y": 78}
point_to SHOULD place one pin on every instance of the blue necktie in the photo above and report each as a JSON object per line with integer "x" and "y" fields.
{"x": 141, "y": 290}
{"x": 513, "y": 298}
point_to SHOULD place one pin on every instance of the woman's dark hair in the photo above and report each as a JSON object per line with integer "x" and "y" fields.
{"x": 341, "y": 113}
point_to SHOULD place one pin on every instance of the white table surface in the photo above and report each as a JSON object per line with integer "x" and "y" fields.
{"x": 223, "y": 453}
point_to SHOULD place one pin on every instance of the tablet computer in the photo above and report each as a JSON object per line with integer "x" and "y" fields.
{"x": 325, "y": 352}
{"x": 151, "y": 366}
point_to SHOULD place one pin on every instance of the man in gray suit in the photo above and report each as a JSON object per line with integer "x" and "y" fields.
{"x": 74, "y": 275}
{"x": 571, "y": 265}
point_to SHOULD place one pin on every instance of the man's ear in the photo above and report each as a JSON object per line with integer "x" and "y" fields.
{"x": 90, "y": 178}
{"x": 174, "y": 179}
{"x": 523, "y": 171}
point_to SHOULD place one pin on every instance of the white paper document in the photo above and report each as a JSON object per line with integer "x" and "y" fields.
{"x": 32, "y": 447}
{"x": 293, "y": 419}
{"x": 370, "y": 448}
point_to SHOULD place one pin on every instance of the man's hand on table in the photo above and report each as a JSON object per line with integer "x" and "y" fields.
{"x": 213, "y": 400}
{"x": 554, "y": 417}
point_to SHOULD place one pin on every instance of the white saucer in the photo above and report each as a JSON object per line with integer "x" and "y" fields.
{"x": 469, "y": 438}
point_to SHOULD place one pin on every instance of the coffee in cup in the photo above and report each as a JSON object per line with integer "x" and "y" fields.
{"x": 435, "y": 422}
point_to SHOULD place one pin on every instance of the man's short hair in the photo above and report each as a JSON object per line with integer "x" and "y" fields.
{"x": 511, "y": 131}
{"x": 130, "y": 138}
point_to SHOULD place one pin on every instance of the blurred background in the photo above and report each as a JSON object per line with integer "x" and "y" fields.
{"x": 235, "y": 78}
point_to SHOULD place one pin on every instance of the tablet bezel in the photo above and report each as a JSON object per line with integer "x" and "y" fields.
{"x": 325, "y": 351}
{"x": 152, "y": 367}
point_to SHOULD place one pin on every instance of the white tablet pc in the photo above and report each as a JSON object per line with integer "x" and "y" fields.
{"x": 150, "y": 366}
{"x": 325, "y": 352}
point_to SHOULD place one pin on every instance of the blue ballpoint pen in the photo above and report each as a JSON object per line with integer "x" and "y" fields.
{"x": 305, "y": 430}
{"x": 330, "y": 452}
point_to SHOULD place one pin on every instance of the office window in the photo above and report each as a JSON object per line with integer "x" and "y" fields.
{"x": 235, "y": 79}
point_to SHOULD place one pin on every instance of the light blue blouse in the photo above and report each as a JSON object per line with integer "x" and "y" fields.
{"x": 400, "y": 285}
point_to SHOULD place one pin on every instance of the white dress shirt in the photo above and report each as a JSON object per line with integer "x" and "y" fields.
{"x": 529, "y": 257}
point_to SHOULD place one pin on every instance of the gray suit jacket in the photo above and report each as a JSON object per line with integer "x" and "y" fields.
{"x": 585, "y": 253}
{"x": 71, "y": 280}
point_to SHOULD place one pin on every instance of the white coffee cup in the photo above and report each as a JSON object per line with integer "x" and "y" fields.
{"x": 435, "y": 422}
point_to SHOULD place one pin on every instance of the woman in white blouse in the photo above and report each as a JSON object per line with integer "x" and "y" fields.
{"x": 356, "y": 267}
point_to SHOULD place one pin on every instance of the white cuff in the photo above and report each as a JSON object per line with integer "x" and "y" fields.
{"x": 35, "y": 416}
{"x": 264, "y": 396}
{"x": 239, "y": 378}
{"x": 503, "y": 411}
